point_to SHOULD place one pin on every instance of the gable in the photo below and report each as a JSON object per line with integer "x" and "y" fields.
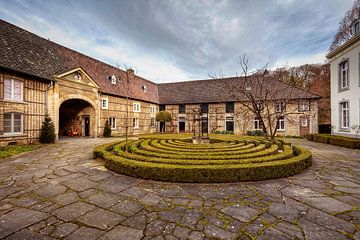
{"x": 77, "y": 76}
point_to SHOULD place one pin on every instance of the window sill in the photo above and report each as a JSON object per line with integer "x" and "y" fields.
{"x": 280, "y": 130}
{"x": 14, "y": 101}
{"x": 136, "y": 128}
{"x": 136, "y": 111}
{"x": 7, "y": 135}
{"x": 343, "y": 89}
{"x": 344, "y": 129}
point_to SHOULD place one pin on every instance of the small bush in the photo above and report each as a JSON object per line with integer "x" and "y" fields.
{"x": 47, "y": 133}
{"x": 107, "y": 129}
{"x": 255, "y": 133}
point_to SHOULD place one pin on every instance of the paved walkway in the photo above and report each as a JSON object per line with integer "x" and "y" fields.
{"x": 60, "y": 192}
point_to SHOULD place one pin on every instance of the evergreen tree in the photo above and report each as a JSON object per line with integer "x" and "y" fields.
{"x": 47, "y": 134}
{"x": 107, "y": 129}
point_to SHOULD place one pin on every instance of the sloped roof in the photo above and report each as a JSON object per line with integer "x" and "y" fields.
{"x": 225, "y": 90}
{"x": 26, "y": 52}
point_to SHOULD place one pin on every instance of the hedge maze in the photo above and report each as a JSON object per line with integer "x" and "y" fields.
{"x": 225, "y": 159}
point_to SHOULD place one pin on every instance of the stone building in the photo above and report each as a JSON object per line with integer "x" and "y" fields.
{"x": 39, "y": 77}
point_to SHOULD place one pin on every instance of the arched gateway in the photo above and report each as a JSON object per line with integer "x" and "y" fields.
{"x": 77, "y": 118}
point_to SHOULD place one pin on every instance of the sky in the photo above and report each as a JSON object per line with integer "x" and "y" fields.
{"x": 176, "y": 40}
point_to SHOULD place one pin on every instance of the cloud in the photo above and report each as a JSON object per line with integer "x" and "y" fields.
{"x": 171, "y": 40}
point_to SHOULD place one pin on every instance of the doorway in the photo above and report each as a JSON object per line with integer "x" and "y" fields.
{"x": 86, "y": 126}
{"x": 182, "y": 124}
{"x": 304, "y": 125}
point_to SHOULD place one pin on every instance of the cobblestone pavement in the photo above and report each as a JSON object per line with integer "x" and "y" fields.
{"x": 59, "y": 191}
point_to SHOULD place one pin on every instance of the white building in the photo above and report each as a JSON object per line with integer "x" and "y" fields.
{"x": 345, "y": 86}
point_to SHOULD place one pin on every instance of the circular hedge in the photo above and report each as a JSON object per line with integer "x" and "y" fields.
{"x": 230, "y": 159}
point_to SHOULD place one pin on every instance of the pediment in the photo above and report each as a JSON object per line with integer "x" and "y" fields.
{"x": 77, "y": 76}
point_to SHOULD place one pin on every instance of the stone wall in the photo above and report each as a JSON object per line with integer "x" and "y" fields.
{"x": 243, "y": 118}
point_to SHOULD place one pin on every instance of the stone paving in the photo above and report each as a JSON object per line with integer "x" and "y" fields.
{"x": 60, "y": 192}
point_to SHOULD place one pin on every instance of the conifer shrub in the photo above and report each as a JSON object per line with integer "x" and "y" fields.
{"x": 47, "y": 132}
{"x": 107, "y": 129}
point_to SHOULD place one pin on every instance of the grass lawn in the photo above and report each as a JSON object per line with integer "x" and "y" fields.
{"x": 9, "y": 151}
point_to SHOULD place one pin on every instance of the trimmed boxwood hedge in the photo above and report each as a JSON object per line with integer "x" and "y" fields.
{"x": 263, "y": 161}
{"x": 341, "y": 141}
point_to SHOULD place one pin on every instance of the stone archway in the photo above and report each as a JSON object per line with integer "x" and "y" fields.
{"x": 77, "y": 118}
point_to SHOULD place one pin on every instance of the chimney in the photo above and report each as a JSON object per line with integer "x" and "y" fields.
{"x": 129, "y": 74}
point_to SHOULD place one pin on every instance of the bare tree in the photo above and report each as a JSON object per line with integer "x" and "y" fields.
{"x": 262, "y": 95}
{"x": 344, "y": 32}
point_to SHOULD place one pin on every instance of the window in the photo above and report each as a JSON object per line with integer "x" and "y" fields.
{"x": 230, "y": 107}
{"x": 104, "y": 103}
{"x": 344, "y": 75}
{"x": 260, "y": 106}
{"x": 229, "y": 124}
{"x": 182, "y": 108}
{"x": 162, "y": 107}
{"x": 356, "y": 28}
{"x": 13, "y": 123}
{"x": 280, "y": 107}
{"x": 112, "y": 122}
{"x": 204, "y": 108}
{"x": 280, "y": 124}
{"x": 152, "y": 109}
{"x": 304, "y": 105}
{"x": 113, "y": 79}
{"x": 135, "y": 123}
{"x": 13, "y": 89}
{"x": 144, "y": 88}
{"x": 136, "y": 107}
{"x": 152, "y": 122}
{"x": 304, "y": 122}
{"x": 257, "y": 124}
{"x": 344, "y": 115}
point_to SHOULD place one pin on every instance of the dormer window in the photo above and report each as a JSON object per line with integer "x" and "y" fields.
{"x": 113, "y": 79}
{"x": 144, "y": 88}
{"x": 355, "y": 28}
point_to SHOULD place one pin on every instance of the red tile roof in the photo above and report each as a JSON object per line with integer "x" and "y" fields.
{"x": 26, "y": 52}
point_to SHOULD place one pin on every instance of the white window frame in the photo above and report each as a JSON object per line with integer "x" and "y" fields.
{"x": 136, "y": 123}
{"x": 280, "y": 107}
{"x": 152, "y": 109}
{"x": 153, "y": 122}
{"x": 344, "y": 75}
{"x": 136, "y": 107}
{"x": 106, "y": 105}
{"x": 257, "y": 123}
{"x": 12, "y": 122}
{"x": 112, "y": 121}
{"x": 344, "y": 115}
{"x": 113, "y": 79}
{"x": 12, "y": 90}
{"x": 304, "y": 122}
{"x": 304, "y": 105}
{"x": 279, "y": 127}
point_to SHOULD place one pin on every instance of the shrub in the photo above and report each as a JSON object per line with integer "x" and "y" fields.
{"x": 255, "y": 133}
{"x": 107, "y": 129}
{"x": 181, "y": 161}
{"x": 163, "y": 116}
{"x": 47, "y": 132}
{"x": 335, "y": 140}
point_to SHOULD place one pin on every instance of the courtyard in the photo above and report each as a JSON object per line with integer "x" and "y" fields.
{"x": 61, "y": 192}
